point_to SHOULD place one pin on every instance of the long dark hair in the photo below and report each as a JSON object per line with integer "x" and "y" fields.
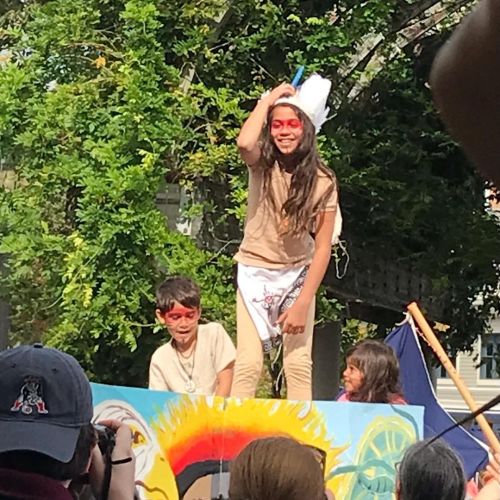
{"x": 380, "y": 368}
{"x": 299, "y": 208}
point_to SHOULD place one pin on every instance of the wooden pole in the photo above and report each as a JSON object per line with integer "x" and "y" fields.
{"x": 450, "y": 369}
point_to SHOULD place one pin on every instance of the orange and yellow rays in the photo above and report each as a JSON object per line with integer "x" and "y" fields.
{"x": 201, "y": 429}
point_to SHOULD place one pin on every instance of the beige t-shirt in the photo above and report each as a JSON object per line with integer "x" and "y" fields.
{"x": 263, "y": 243}
{"x": 214, "y": 352}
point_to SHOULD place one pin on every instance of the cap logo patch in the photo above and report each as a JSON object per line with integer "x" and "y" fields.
{"x": 30, "y": 397}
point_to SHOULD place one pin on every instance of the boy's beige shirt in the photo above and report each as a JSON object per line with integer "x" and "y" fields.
{"x": 263, "y": 245}
{"x": 214, "y": 352}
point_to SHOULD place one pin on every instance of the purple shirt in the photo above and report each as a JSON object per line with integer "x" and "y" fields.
{"x": 27, "y": 486}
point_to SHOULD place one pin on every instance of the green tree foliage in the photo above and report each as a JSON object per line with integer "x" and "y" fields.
{"x": 100, "y": 101}
{"x": 413, "y": 197}
{"x": 92, "y": 118}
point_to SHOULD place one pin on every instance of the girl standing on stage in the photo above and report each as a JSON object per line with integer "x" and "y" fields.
{"x": 292, "y": 206}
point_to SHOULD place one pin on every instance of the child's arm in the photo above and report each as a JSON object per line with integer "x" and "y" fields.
{"x": 224, "y": 356}
{"x": 224, "y": 381}
{"x": 465, "y": 82}
{"x": 248, "y": 139}
{"x": 294, "y": 319}
{"x": 156, "y": 379}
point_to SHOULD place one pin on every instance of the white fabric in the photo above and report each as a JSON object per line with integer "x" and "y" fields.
{"x": 266, "y": 294}
{"x": 311, "y": 98}
{"x": 337, "y": 226}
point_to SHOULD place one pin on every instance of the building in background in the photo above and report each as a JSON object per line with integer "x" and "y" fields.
{"x": 480, "y": 372}
{"x": 480, "y": 369}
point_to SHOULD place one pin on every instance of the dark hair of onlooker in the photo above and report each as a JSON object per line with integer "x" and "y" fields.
{"x": 177, "y": 289}
{"x": 37, "y": 463}
{"x": 276, "y": 468}
{"x": 431, "y": 471}
{"x": 380, "y": 368}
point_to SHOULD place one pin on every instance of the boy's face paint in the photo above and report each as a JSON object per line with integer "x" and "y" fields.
{"x": 353, "y": 378}
{"x": 182, "y": 323}
{"x": 177, "y": 313}
{"x": 286, "y": 129}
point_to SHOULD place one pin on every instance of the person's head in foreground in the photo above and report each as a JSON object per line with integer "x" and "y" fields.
{"x": 430, "y": 472}
{"x": 276, "y": 468}
{"x": 46, "y": 436}
{"x": 45, "y": 413}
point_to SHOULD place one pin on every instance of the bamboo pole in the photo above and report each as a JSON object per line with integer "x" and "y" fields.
{"x": 450, "y": 369}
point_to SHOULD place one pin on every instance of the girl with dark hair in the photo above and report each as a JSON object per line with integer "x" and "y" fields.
{"x": 291, "y": 216}
{"x": 372, "y": 374}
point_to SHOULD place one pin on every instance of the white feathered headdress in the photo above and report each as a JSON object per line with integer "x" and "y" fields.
{"x": 311, "y": 98}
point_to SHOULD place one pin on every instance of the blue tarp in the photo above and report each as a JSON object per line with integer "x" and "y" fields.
{"x": 418, "y": 390}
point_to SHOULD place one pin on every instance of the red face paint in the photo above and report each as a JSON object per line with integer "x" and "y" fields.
{"x": 179, "y": 312}
{"x": 293, "y": 124}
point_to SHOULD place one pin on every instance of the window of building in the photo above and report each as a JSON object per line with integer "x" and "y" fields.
{"x": 441, "y": 370}
{"x": 490, "y": 352}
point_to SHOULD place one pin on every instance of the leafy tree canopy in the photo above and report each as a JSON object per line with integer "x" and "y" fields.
{"x": 101, "y": 101}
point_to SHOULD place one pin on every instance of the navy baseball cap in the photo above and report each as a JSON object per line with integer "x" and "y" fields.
{"x": 45, "y": 399}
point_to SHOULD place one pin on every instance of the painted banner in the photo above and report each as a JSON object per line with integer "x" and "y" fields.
{"x": 184, "y": 444}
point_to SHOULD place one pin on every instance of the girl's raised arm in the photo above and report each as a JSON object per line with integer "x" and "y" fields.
{"x": 248, "y": 140}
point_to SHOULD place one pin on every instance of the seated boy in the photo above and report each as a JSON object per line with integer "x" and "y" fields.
{"x": 198, "y": 359}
